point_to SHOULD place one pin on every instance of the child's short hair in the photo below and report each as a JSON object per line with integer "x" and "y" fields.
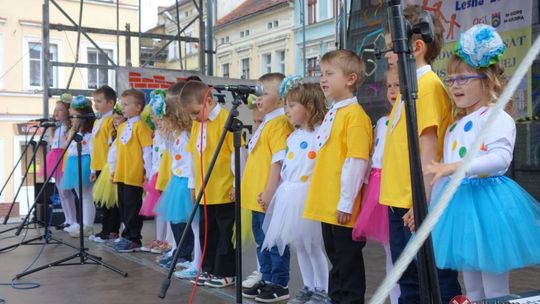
{"x": 276, "y": 78}
{"x": 348, "y": 62}
{"x": 137, "y": 95}
{"x": 413, "y": 13}
{"x": 174, "y": 113}
{"x": 311, "y": 96}
{"x": 107, "y": 92}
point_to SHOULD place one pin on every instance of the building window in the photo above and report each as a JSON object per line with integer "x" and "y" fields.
{"x": 267, "y": 63}
{"x": 276, "y": 23}
{"x": 245, "y": 68}
{"x": 222, "y": 40}
{"x": 99, "y": 77}
{"x": 269, "y": 25}
{"x": 173, "y": 51}
{"x": 225, "y": 70}
{"x": 188, "y": 45}
{"x": 280, "y": 61}
{"x": 242, "y": 34}
{"x": 247, "y": 33}
{"x": 312, "y": 11}
{"x": 227, "y": 39}
{"x": 35, "y": 64}
{"x": 314, "y": 70}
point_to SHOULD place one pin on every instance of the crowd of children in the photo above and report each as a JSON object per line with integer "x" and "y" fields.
{"x": 315, "y": 177}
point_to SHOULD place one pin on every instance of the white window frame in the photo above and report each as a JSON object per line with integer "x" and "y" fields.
{"x": 188, "y": 47}
{"x": 280, "y": 65}
{"x": 84, "y": 58}
{"x": 276, "y": 23}
{"x": 2, "y": 167}
{"x": 26, "y": 62}
{"x": 266, "y": 63}
{"x": 242, "y": 67}
{"x": 228, "y": 70}
{"x": 24, "y": 203}
{"x": 1, "y": 65}
{"x": 269, "y": 25}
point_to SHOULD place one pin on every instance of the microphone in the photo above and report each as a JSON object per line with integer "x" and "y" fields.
{"x": 256, "y": 90}
{"x": 87, "y": 116}
{"x": 40, "y": 119}
{"x": 49, "y": 124}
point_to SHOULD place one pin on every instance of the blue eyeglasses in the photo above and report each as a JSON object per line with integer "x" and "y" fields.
{"x": 462, "y": 79}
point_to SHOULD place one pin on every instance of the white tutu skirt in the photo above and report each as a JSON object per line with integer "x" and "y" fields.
{"x": 284, "y": 222}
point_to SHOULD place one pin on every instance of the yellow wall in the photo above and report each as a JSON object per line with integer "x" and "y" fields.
{"x": 20, "y": 22}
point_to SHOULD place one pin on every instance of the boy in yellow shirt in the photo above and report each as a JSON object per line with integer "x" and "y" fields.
{"x": 133, "y": 165}
{"x": 433, "y": 110}
{"x": 104, "y": 101}
{"x": 344, "y": 143}
{"x": 266, "y": 150}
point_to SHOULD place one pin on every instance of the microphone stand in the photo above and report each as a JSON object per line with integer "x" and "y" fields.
{"x": 401, "y": 32}
{"x": 25, "y": 222}
{"x": 234, "y": 125}
{"x": 23, "y": 154}
{"x": 82, "y": 253}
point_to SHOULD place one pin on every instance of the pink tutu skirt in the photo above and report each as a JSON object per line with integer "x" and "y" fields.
{"x": 50, "y": 161}
{"x": 152, "y": 197}
{"x": 372, "y": 222}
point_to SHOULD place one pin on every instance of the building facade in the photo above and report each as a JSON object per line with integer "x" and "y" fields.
{"x": 254, "y": 39}
{"x": 21, "y": 97}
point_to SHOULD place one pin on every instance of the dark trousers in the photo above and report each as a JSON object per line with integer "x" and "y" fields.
{"x": 347, "y": 278}
{"x": 187, "y": 247}
{"x": 410, "y": 289}
{"x": 129, "y": 204}
{"x": 220, "y": 255}
{"x": 273, "y": 266}
{"x": 110, "y": 217}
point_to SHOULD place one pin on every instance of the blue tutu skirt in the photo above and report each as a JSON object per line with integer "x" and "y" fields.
{"x": 175, "y": 203}
{"x": 490, "y": 225}
{"x": 70, "y": 180}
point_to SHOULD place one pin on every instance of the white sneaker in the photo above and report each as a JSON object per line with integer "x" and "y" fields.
{"x": 252, "y": 279}
{"x": 87, "y": 231}
{"x": 72, "y": 227}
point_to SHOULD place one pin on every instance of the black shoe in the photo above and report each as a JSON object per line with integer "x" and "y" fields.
{"x": 62, "y": 226}
{"x": 273, "y": 293}
{"x": 253, "y": 292}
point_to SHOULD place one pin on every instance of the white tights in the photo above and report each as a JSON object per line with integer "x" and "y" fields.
{"x": 313, "y": 265}
{"x": 88, "y": 207}
{"x": 483, "y": 285}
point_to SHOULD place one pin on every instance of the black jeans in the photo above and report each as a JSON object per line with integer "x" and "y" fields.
{"x": 347, "y": 279}
{"x": 129, "y": 203}
{"x": 111, "y": 217}
{"x": 187, "y": 248}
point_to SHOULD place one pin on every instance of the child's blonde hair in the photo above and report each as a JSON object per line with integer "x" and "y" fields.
{"x": 311, "y": 96}
{"x": 349, "y": 63}
{"x": 176, "y": 119}
{"x": 494, "y": 82}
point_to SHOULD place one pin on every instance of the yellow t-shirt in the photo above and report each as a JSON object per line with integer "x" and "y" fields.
{"x": 165, "y": 172}
{"x": 351, "y": 137}
{"x": 433, "y": 108}
{"x": 100, "y": 144}
{"x": 273, "y": 139}
{"x": 129, "y": 163}
{"x": 222, "y": 179}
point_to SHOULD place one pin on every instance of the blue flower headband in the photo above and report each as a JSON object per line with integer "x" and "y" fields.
{"x": 288, "y": 83}
{"x": 480, "y": 46}
{"x": 157, "y": 103}
{"x": 80, "y": 102}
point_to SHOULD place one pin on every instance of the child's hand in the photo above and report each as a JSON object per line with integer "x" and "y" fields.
{"x": 232, "y": 195}
{"x": 440, "y": 170}
{"x": 342, "y": 217}
{"x": 92, "y": 177}
{"x": 264, "y": 200}
{"x": 408, "y": 220}
{"x": 192, "y": 195}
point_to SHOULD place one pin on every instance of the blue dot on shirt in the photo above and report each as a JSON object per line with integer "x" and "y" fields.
{"x": 468, "y": 126}
{"x": 303, "y": 145}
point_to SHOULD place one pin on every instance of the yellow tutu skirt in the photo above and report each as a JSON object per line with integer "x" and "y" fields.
{"x": 105, "y": 194}
{"x": 165, "y": 172}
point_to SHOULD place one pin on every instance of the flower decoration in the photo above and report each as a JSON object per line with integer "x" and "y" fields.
{"x": 80, "y": 102}
{"x": 66, "y": 98}
{"x": 146, "y": 116}
{"x": 157, "y": 103}
{"x": 288, "y": 83}
{"x": 480, "y": 46}
{"x": 251, "y": 101}
{"x": 117, "y": 108}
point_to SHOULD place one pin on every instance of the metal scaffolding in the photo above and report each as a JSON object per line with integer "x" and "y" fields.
{"x": 85, "y": 31}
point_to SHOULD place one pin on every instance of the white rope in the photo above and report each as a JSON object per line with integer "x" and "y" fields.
{"x": 427, "y": 226}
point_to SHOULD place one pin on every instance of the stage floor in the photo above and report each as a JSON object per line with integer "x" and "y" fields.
{"x": 88, "y": 284}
